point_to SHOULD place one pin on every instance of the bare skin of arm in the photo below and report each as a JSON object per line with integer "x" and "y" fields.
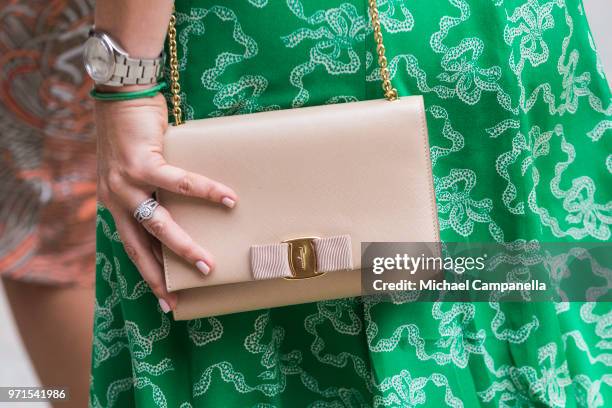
{"x": 139, "y": 25}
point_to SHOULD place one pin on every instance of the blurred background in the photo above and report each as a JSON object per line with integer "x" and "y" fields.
{"x": 15, "y": 368}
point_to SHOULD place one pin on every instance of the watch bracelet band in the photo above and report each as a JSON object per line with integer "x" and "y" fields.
{"x": 130, "y": 71}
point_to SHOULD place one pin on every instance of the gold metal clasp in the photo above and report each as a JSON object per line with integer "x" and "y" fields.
{"x": 303, "y": 258}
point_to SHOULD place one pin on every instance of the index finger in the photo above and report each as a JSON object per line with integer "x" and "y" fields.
{"x": 187, "y": 183}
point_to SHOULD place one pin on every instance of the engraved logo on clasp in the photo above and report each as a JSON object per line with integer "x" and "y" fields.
{"x": 302, "y": 258}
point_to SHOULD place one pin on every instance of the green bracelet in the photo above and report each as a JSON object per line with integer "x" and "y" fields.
{"x": 126, "y": 96}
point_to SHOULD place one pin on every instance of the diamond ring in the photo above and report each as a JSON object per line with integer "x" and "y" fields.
{"x": 145, "y": 210}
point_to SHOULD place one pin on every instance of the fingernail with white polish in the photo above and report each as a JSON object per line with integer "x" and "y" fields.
{"x": 203, "y": 267}
{"x": 164, "y": 306}
{"x": 228, "y": 202}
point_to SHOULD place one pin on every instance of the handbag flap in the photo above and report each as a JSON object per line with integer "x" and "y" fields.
{"x": 360, "y": 169}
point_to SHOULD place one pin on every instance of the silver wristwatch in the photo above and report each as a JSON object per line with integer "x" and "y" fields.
{"x": 108, "y": 64}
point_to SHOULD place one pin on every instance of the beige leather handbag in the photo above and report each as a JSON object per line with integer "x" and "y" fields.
{"x": 314, "y": 183}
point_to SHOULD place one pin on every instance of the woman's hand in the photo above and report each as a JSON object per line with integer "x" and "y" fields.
{"x": 130, "y": 167}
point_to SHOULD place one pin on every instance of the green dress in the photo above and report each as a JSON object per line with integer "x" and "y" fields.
{"x": 520, "y": 120}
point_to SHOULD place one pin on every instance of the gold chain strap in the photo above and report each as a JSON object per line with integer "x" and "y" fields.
{"x": 175, "y": 87}
{"x": 390, "y": 91}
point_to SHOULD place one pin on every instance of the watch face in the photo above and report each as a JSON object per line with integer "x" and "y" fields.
{"x": 99, "y": 59}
